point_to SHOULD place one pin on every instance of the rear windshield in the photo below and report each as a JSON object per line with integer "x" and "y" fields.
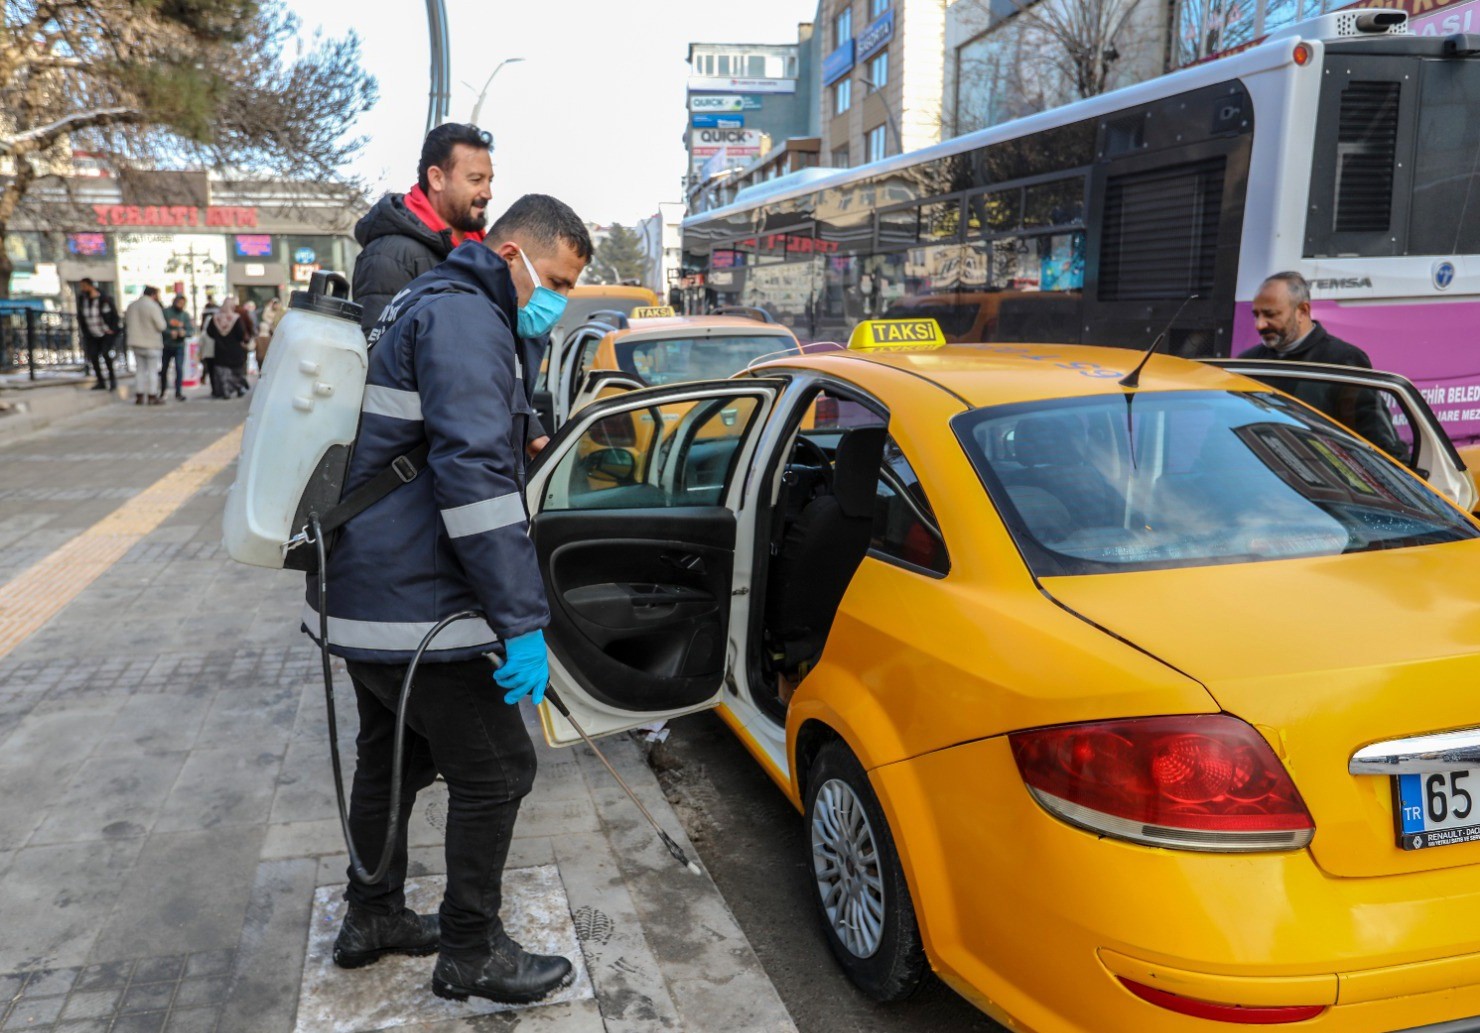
{"x": 1182, "y": 479}
{"x": 676, "y": 360}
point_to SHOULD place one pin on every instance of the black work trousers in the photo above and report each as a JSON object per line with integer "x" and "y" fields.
{"x": 458, "y": 724}
{"x": 97, "y": 351}
{"x": 173, "y": 353}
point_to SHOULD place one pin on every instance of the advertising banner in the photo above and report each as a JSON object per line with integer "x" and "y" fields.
{"x": 730, "y": 146}
{"x": 717, "y": 121}
{"x": 718, "y": 84}
{"x": 837, "y": 64}
{"x": 873, "y": 38}
{"x": 724, "y": 102}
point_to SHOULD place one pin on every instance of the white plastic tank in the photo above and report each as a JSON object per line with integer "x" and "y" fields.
{"x": 303, "y": 419}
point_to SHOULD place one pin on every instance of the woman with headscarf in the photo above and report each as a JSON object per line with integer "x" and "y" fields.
{"x": 230, "y": 333}
{"x": 271, "y": 313}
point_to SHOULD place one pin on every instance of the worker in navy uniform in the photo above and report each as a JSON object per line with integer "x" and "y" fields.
{"x": 445, "y": 370}
{"x": 1283, "y": 321}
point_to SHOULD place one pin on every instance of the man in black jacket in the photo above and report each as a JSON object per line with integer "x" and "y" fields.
{"x": 1282, "y": 318}
{"x": 97, "y": 321}
{"x": 404, "y": 235}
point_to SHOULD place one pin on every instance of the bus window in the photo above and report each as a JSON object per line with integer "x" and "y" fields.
{"x": 1445, "y": 176}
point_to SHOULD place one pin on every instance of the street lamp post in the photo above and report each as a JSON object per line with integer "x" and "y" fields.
{"x": 873, "y": 87}
{"x": 483, "y": 94}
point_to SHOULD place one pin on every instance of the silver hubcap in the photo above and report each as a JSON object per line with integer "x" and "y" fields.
{"x": 845, "y": 862}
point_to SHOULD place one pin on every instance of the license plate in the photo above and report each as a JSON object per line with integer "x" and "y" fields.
{"x": 1438, "y": 809}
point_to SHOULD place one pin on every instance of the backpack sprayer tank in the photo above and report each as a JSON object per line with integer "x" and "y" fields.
{"x": 302, "y": 423}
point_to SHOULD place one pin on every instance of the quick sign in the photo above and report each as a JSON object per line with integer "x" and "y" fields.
{"x": 837, "y": 64}
{"x": 724, "y": 102}
{"x": 717, "y": 121}
{"x": 879, "y": 32}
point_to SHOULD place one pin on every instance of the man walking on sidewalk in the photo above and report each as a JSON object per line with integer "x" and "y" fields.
{"x": 444, "y": 377}
{"x": 98, "y": 322}
{"x": 144, "y": 326}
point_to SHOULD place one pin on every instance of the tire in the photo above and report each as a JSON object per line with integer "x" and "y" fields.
{"x": 857, "y": 882}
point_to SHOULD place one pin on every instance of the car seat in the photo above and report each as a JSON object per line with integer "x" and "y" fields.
{"x": 820, "y": 551}
{"x": 1053, "y": 454}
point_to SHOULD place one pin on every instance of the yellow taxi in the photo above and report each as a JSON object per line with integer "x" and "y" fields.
{"x": 1122, "y": 700}
{"x": 650, "y": 346}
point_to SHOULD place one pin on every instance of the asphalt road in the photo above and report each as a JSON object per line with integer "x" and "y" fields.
{"x": 754, "y": 845}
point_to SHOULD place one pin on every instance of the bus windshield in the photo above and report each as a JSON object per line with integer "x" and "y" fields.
{"x": 676, "y": 360}
{"x": 1192, "y": 478}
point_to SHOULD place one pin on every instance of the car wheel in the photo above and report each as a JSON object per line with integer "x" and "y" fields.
{"x": 859, "y": 885}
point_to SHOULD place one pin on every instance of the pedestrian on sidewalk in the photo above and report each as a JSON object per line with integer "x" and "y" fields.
{"x": 176, "y": 332}
{"x": 98, "y": 321}
{"x": 144, "y": 326}
{"x": 271, "y": 313}
{"x": 228, "y": 333}
{"x": 454, "y": 538}
{"x": 404, "y": 235}
{"x": 208, "y": 346}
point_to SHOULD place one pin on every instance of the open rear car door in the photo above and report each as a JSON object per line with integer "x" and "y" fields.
{"x": 635, "y": 512}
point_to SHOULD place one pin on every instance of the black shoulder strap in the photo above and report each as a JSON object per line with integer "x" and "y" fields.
{"x": 403, "y": 470}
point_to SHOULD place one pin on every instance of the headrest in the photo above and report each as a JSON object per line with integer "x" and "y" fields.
{"x": 856, "y": 470}
{"x": 1049, "y": 441}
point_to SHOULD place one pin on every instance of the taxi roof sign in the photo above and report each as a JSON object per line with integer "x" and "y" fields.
{"x": 653, "y": 312}
{"x": 896, "y": 335}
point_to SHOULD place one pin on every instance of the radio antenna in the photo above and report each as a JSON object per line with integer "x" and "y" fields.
{"x": 1132, "y": 379}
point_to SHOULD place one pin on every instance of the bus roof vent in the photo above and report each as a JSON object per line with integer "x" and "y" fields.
{"x": 1347, "y": 25}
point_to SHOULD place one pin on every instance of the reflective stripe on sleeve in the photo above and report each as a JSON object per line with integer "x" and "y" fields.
{"x": 399, "y": 636}
{"x": 488, "y": 515}
{"x": 392, "y": 402}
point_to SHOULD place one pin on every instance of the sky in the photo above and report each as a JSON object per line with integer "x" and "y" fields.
{"x": 593, "y": 115}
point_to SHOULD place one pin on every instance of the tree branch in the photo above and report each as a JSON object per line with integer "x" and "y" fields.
{"x": 41, "y": 137}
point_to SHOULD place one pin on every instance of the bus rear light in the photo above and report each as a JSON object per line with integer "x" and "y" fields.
{"x": 1302, "y": 54}
{"x": 1249, "y": 1015}
{"x": 1194, "y": 782}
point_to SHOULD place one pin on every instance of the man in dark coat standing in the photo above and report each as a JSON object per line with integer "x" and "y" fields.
{"x": 1282, "y": 318}
{"x": 445, "y": 375}
{"x": 97, "y": 320}
{"x": 404, "y": 235}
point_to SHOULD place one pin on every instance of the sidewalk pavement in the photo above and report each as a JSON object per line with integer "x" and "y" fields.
{"x": 170, "y": 854}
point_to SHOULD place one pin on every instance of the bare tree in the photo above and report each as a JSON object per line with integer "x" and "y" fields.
{"x": 1085, "y": 38}
{"x": 171, "y": 84}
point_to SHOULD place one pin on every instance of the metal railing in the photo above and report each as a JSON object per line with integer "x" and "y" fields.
{"x": 33, "y": 340}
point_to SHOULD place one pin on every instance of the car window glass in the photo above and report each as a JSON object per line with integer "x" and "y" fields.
{"x": 1378, "y": 414}
{"x": 905, "y": 527}
{"x": 673, "y": 360}
{"x": 1189, "y": 478}
{"x": 660, "y": 456}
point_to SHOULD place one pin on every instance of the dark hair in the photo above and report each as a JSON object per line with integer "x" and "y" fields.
{"x": 544, "y": 221}
{"x": 1297, "y": 285}
{"x": 436, "y": 149}
{"x": 87, "y": 280}
{"x": 153, "y": 292}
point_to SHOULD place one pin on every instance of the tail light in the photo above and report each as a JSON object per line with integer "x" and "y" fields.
{"x": 1194, "y": 782}
{"x": 614, "y": 431}
{"x": 1249, "y": 1015}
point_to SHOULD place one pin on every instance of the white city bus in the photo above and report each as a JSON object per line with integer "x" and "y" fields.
{"x": 1343, "y": 147}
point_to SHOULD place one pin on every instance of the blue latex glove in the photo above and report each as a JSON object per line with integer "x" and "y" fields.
{"x": 526, "y": 669}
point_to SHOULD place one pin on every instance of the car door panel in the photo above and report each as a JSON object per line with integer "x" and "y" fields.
{"x": 599, "y": 384}
{"x": 637, "y": 506}
{"x": 1430, "y": 453}
{"x": 643, "y": 603}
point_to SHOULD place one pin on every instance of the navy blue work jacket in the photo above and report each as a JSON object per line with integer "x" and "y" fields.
{"x": 442, "y": 370}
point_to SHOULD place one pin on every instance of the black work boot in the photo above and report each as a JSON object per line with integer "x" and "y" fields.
{"x": 365, "y": 936}
{"x": 507, "y": 973}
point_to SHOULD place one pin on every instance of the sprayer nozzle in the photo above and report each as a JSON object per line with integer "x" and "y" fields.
{"x": 695, "y": 868}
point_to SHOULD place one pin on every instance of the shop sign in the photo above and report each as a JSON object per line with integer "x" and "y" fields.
{"x": 837, "y": 64}
{"x": 256, "y": 269}
{"x": 303, "y": 271}
{"x": 873, "y": 38}
{"x": 724, "y": 102}
{"x": 729, "y": 146}
{"x": 718, "y": 121}
{"x": 304, "y": 255}
{"x": 175, "y": 216}
{"x": 719, "y": 84}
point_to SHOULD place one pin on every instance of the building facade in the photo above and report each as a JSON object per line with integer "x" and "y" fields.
{"x": 189, "y": 233}
{"x": 880, "y": 80}
{"x": 662, "y": 241}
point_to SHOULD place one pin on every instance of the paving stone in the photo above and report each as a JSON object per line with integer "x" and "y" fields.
{"x": 230, "y": 785}
{"x": 48, "y": 982}
{"x": 193, "y": 1020}
{"x": 141, "y": 1022}
{"x": 201, "y": 992}
{"x": 92, "y": 1004}
{"x": 111, "y": 797}
{"x": 102, "y": 977}
{"x": 263, "y": 996}
{"x": 210, "y": 963}
{"x": 159, "y": 970}
{"x": 32, "y": 1012}
{"x": 146, "y": 997}
{"x": 97, "y": 1025}
{"x": 188, "y": 893}
{"x": 57, "y": 898}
